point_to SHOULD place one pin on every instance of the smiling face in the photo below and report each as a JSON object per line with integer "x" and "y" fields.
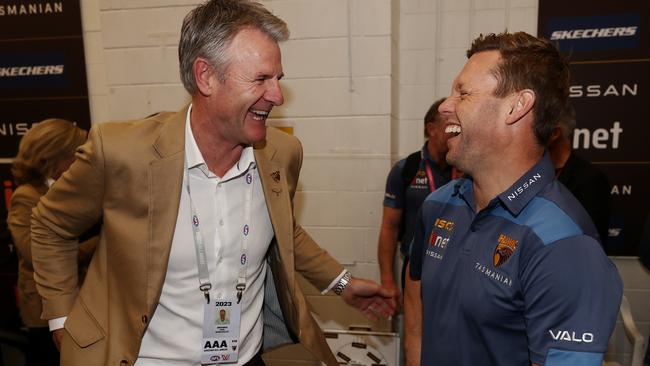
{"x": 247, "y": 91}
{"x": 474, "y": 115}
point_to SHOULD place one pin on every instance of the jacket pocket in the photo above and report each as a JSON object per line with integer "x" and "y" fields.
{"x": 82, "y": 326}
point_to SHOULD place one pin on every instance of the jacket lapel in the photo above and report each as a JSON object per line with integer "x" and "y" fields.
{"x": 276, "y": 192}
{"x": 165, "y": 183}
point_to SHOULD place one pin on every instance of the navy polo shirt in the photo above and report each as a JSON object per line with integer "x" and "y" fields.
{"x": 409, "y": 197}
{"x": 524, "y": 280}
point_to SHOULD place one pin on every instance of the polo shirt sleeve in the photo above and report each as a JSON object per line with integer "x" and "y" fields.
{"x": 395, "y": 187}
{"x": 572, "y": 293}
{"x": 417, "y": 247}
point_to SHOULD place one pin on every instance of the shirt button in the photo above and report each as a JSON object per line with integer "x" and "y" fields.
{"x": 221, "y": 222}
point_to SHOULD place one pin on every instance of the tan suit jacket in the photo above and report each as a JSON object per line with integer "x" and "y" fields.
{"x": 131, "y": 173}
{"x": 23, "y": 200}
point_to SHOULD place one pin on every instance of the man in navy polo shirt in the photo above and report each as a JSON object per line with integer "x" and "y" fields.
{"x": 409, "y": 182}
{"x": 510, "y": 266}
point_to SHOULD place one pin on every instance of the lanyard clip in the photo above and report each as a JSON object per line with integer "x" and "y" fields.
{"x": 206, "y": 291}
{"x": 240, "y": 290}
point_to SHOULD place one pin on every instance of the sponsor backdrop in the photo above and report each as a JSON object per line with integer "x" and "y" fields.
{"x": 608, "y": 45}
{"x": 42, "y": 73}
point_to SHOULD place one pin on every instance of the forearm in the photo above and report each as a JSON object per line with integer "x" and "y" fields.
{"x": 412, "y": 321}
{"x": 313, "y": 262}
{"x": 387, "y": 246}
{"x": 55, "y": 269}
{"x": 386, "y": 251}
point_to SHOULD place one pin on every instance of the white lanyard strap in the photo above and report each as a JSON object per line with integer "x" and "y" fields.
{"x": 243, "y": 260}
{"x": 201, "y": 258}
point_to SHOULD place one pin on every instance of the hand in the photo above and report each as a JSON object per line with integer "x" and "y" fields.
{"x": 372, "y": 299}
{"x": 57, "y": 336}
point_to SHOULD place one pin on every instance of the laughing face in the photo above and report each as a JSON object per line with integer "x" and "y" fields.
{"x": 473, "y": 114}
{"x": 249, "y": 88}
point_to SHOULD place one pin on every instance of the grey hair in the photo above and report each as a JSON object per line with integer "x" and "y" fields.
{"x": 208, "y": 30}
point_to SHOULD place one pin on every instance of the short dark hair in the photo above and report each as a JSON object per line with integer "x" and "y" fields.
{"x": 432, "y": 114}
{"x": 529, "y": 62}
{"x": 567, "y": 121}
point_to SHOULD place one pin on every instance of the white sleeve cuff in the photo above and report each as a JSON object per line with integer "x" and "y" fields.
{"x": 336, "y": 280}
{"x": 56, "y": 323}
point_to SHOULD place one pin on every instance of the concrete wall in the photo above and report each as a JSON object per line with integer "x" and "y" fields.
{"x": 360, "y": 74}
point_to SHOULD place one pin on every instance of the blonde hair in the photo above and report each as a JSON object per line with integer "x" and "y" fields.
{"x": 43, "y": 147}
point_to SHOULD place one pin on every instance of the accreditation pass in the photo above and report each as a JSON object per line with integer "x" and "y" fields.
{"x": 220, "y": 331}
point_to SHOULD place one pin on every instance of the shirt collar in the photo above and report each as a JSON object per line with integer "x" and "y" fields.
{"x": 528, "y": 186}
{"x": 192, "y": 154}
{"x": 195, "y": 158}
{"x": 464, "y": 189}
{"x": 425, "y": 152}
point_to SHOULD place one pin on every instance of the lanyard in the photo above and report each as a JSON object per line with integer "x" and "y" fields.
{"x": 432, "y": 183}
{"x": 204, "y": 276}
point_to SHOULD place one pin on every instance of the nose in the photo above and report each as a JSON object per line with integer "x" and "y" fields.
{"x": 447, "y": 107}
{"x": 274, "y": 92}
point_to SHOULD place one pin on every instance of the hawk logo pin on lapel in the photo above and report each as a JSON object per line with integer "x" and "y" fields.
{"x": 276, "y": 176}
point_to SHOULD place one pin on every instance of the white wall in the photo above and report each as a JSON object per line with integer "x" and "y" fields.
{"x": 360, "y": 74}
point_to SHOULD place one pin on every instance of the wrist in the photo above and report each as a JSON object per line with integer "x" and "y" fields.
{"x": 343, "y": 283}
{"x": 387, "y": 280}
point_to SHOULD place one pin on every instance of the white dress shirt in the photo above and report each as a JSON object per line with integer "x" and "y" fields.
{"x": 174, "y": 335}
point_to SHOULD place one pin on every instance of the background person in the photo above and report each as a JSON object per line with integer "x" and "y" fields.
{"x": 585, "y": 181}
{"x": 197, "y": 207}
{"x": 44, "y": 153}
{"x": 408, "y": 183}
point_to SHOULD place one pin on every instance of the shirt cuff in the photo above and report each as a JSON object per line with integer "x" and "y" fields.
{"x": 56, "y": 323}
{"x": 336, "y": 280}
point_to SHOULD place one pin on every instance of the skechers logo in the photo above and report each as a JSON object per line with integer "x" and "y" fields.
{"x": 594, "y": 33}
{"x": 32, "y": 70}
{"x": 565, "y": 335}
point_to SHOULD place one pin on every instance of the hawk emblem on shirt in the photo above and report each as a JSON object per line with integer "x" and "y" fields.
{"x": 505, "y": 248}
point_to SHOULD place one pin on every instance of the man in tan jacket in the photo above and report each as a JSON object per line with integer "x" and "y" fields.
{"x": 197, "y": 211}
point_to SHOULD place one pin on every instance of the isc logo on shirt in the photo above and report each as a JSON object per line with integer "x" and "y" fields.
{"x": 444, "y": 224}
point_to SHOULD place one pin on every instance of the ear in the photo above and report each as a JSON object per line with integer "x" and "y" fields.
{"x": 429, "y": 127}
{"x": 523, "y": 102}
{"x": 557, "y": 133}
{"x": 203, "y": 75}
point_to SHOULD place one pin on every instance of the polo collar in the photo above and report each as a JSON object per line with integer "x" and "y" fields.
{"x": 517, "y": 196}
